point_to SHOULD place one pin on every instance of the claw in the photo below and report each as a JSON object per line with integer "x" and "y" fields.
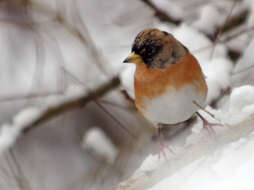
{"x": 208, "y": 126}
{"x": 162, "y": 145}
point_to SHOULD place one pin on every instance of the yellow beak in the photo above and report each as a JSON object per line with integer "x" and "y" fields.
{"x": 133, "y": 58}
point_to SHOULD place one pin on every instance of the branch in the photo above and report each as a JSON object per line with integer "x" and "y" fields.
{"x": 235, "y": 21}
{"x": 230, "y": 23}
{"x": 160, "y": 14}
{"x": 220, "y": 29}
{"x": 236, "y": 35}
{"x": 205, "y": 146}
{"x": 57, "y": 110}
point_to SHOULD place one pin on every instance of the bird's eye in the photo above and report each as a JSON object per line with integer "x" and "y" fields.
{"x": 166, "y": 33}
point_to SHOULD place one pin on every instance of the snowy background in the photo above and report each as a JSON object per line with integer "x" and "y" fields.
{"x": 53, "y": 52}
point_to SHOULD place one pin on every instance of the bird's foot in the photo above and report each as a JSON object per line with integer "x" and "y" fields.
{"x": 208, "y": 125}
{"x": 162, "y": 153}
{"x": 162, "y": 145}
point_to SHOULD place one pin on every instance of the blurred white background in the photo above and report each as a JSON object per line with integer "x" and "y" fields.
{"x": 55, "y": 51}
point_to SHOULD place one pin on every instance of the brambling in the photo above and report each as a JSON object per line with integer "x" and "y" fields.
{"x": 169, "y": 82}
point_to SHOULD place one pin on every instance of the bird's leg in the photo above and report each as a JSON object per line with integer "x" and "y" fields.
{"x": 208, "y": 125}
{"x": 161, "y": 142}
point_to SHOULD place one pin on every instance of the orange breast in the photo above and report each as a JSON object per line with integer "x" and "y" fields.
{"x": 152, "y": 83}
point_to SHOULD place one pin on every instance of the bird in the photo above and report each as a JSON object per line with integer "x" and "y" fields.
{"x": 169, "y": 84}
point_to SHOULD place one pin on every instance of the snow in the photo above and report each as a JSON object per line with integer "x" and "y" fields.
{"x": 96, "y": 140}
{"x": 10, "y": 132}
{"x": 218, "y": 76}
{"x": 246, "y": 60}
{"x": 240, "y": 105}
{"x": 251, "y": 17}
{"x": 171, "y": 8}
{"x": 210, "y": 19}
{"x": 127, "y": 79}
{"x": 230, "y": 167}
{"x": 185, "y": 34}
{"x": 8, "y": 136}
{"x": 243, "y": 72}
{"x": 240, "y": 42}
{"x": 26, "y": 116}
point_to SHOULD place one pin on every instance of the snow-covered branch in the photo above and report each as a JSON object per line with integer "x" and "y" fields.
{"x": 204, "y": 147}
{"x": 32, "y": 117}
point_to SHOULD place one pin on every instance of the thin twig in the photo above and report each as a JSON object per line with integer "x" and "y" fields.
{"x": 40, "y": 60}
{"x": 86, "y": 40}
{"x": 62, "y": 81}
{"x": 221, "y": 28}
{"x": 114, "y": 104}
{"x": 243, "y": 70}
{"x": 115, "y": 119}
{"x": 160, "y": 14}
{"x": 20, "y": 177}
{"x": 235, "y": 21}
{"x": 200, "y": 107}
{"x": 98, "y": 103}
{"x": 236, "y": 35}
{"x": 227, "y": 39}
{"x": 57, "y": 110}
{"x": 223, "y": 93}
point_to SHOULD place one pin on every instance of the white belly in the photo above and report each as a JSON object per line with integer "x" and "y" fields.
{"x": 174, "y": 106}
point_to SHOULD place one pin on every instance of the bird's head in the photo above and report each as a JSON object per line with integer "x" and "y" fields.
{"x": 155, "y": 49}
